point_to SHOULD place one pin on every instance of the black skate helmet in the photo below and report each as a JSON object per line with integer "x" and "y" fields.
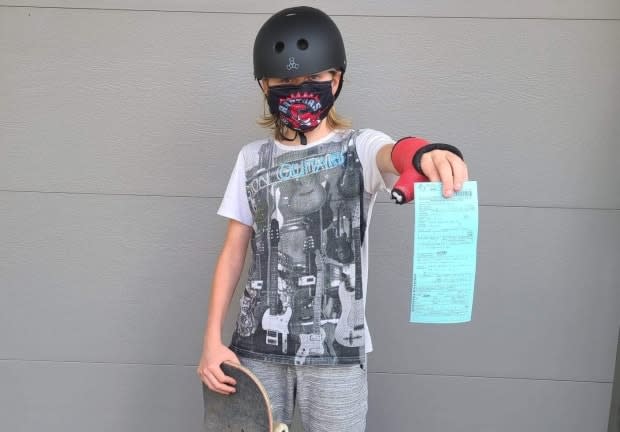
{"x": 298, "y": 41}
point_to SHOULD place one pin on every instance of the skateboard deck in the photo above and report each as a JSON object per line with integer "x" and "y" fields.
{"x": 247, "y": 410}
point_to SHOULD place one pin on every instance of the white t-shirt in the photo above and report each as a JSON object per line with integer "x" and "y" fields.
{"x": 304, "y": 302}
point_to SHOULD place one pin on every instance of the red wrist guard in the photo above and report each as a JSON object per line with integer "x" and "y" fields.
{"x": 402, "y": 158}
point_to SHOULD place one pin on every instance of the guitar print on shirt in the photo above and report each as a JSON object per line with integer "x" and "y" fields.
{"x": 304, "y": 304}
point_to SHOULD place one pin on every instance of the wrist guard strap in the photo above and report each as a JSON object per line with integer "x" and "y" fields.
{"x": 417, "y": 157}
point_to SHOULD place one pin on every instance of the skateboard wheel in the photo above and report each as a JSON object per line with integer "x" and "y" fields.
{"x": 280, "y": 427}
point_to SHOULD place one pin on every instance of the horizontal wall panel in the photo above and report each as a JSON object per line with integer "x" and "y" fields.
{"x": 103, "y": 397}
{"x": 522, "y": 99}
{"x": 60, "y": 397}
{"x": 546, "y": 304}
{"x": 126, "y": 279}
{"x": 100, "y": 397}
{"x": 151, "y": 103}
{"x": 106, "y": 278}
{"x": 132, "y": 105}
{"x": 598, "y": 9}
{"x": 438, "y": 403}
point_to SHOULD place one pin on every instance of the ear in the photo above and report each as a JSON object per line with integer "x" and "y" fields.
{"x": 336, "y": 81}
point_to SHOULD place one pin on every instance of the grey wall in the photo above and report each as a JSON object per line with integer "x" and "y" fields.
{"x": 119, "y": 124}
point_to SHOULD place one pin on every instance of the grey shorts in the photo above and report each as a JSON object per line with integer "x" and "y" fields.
{"x": 330, "y": 398}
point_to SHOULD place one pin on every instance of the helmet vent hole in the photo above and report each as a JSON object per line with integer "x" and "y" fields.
{"x": 302, "y": 44}
{"x": 279, "y": 47}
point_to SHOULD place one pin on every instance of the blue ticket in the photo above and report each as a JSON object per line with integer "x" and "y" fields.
{"x": 444, "y": 254}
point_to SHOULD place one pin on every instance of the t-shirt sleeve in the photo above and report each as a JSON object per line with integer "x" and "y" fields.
{"x": 368, "y": 143}
{"x": 235, "y": 204}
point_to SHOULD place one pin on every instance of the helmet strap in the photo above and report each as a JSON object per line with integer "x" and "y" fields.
{"x": 339, "y": 85}
{"x": 289, "y": 139}
{"x": 302, "y": 137}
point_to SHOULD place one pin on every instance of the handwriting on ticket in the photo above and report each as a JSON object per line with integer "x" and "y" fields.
{"x": 444, "y": 254}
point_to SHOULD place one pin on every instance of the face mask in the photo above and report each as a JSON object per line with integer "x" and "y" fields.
{"x": 301, "y": 107}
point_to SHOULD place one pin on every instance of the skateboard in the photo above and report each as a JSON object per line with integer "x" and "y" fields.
{"x": 246, "y": 410}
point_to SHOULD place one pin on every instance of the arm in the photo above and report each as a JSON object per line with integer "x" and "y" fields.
{"x": 227, "y": 272}
{"x": 436, "y": 165}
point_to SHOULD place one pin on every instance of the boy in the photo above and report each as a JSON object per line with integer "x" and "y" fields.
{"x": 302, "y": 200}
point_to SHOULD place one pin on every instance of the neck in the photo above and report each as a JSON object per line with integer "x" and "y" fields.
{"x": 319, "y": 132}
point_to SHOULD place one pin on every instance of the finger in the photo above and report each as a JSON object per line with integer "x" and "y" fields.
{"x": 446, "y": 175}
{"x": 221, "y": 376}
{"x": 212, "y": 383}
{"x": 205, "y": 377}
{"x": 459, "y": 170}
{"x": 428, "y": 167}
{"x": 218, "y": 386}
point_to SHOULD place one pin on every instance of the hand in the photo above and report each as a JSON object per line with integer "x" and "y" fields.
{"x": 446, "y": 167}
{"x": 209, "y": 368}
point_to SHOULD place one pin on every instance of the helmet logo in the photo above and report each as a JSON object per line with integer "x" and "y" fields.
{"x": 291, "y": 64}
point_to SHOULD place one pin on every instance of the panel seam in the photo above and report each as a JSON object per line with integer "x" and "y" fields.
{"x": 541, "y": 18}
{"x": 104, "y": 363}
